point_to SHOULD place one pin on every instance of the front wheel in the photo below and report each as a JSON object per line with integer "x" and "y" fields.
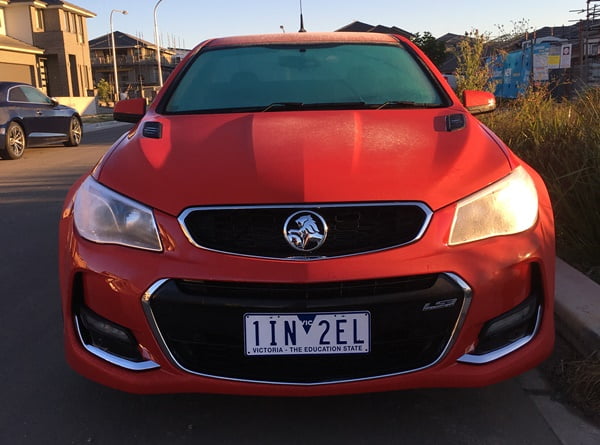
{"x": 75, "y": 132}
{"x": 15, "y": 142}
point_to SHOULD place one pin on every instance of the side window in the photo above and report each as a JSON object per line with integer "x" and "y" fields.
{"x": 16, "y": 94}
{"x": 35, "y": 96}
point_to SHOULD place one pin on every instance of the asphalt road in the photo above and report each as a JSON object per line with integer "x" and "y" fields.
{"x": 42, "y": 401}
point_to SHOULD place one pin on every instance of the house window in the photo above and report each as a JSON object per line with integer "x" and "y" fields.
{"x": 39, "y": 19}
{"x": 67, "y": 21}
{"x": 79, "y": 29}
{"x": 83, "y": 76}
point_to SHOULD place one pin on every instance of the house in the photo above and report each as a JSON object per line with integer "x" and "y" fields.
{"x": 357, "y": 26}
{"x": 137, "y": 67}
{"x": 451, "y": 42}
{"x": 44, "y": 43}
{"x": 567, "y": 58}
{"x": 18, "y": 59}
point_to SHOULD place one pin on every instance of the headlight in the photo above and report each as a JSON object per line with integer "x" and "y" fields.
{"x": 506, "y": 207}
{"x": 103, "y": 216}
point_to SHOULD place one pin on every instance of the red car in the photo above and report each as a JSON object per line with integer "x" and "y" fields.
{"x": 307, "y": 214}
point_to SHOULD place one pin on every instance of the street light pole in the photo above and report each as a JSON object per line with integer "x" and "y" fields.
{"x": 114, "y": 52}
{"x": 157, "y": 42}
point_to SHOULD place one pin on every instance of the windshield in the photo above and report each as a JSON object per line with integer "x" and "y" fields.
{"x": 273, "y": 78}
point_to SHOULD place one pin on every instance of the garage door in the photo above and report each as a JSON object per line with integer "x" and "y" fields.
{"x": 13, "y": 72}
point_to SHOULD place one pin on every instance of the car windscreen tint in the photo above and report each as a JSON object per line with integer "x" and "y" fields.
{"x": 267, "y": 78}
{"x": 16, "y": 94}
{"x": 27, "y": 94}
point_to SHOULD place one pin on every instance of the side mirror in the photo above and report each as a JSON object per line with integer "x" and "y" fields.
{"x": 477, "y": 102}
{"x": 130, "y": 110}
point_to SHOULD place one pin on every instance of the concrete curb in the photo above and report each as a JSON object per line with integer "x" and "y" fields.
{"x": 577, "y": 308}
{"x": 97, "y": 126}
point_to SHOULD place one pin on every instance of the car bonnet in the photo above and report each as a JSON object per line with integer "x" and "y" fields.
{"x": 304, "y": 157}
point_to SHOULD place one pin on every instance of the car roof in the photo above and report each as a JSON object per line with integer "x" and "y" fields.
{"x": 304, "y": 37}
{"x": 5, "y": 86}
{"x": 12, "y": 84}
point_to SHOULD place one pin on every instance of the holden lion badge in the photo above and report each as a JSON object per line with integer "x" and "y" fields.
{"x": 305, "y": 231}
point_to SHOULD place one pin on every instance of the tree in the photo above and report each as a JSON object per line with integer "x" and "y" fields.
{"x": 433, "y": 48}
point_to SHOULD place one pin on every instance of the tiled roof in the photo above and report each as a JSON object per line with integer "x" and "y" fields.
{"x": 122, "y": 40}
{"x": 66, "y": 5}
{"x": 357, "y": 26}
{"x": 11, "y": 44}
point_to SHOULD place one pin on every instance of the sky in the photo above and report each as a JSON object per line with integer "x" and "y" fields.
{"x": 185, "y": 23}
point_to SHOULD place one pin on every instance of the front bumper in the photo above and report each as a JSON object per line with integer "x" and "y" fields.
{"x": 3, "y": 128}
{"x": 489, "y": 278}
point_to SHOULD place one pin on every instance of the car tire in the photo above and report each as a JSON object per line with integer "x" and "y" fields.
{"x": 15, "y": 142}
{"x": 75, "y": 132}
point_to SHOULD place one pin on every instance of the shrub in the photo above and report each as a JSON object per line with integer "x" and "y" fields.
{"x": 471, "y": 71}
{"x": 104, "y": 91}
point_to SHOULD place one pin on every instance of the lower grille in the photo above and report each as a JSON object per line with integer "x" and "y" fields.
{"x": 201, "y": 325}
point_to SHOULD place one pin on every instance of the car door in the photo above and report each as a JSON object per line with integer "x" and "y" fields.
{"x": 48, "y": 121}
{"x": 21, "y": 107}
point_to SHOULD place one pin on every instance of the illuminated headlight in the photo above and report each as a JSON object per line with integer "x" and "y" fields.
{"x": 506, "y": 207}
{"x": 103, "y": 216}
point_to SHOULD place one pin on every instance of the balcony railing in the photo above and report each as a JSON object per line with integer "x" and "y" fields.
{"x": 129, "y": 60}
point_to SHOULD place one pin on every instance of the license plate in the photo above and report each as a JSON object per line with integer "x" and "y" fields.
{"x": 307, "y": 333}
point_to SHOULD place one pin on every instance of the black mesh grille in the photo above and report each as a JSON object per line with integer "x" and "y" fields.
{"x": 353, "y": 229}
{"x": 202, "y": 326}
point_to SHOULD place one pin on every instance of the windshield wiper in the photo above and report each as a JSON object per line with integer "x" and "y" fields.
{"x": 335, "y": 105}
{"x": 404, "y": 104}
{"x": 282, "y": 106}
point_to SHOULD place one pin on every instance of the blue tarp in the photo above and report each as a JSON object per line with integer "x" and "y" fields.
{"x": 513, "y": 72}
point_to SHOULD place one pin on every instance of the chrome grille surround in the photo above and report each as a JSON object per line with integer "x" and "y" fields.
{"x": 415, "y": 235}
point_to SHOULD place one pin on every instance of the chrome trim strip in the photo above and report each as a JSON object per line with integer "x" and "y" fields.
{"x": 504, "y": 351}
{"x": 457, "y": 326}
{"x": 291, "y": 257}
{"x": 152, "y": 321}
{"x": 47, "y": 135}
{"x": 115, "y": 360}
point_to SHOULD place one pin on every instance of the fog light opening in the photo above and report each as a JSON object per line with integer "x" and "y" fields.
{"x": 108, "y": 336}
{"x": 509, "y": 327}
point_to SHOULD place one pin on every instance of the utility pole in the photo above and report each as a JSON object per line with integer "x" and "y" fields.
{"x": 157, "y": 42}
{"x": 114, "y": 52}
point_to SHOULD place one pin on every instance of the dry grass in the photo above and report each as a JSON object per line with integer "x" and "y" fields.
{"x": 582, "y": 380}
{"x": 577, "y": 381}
{"x": 562, "y": 142}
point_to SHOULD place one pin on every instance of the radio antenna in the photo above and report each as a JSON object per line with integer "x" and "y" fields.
{"x": 301, "y": 19}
